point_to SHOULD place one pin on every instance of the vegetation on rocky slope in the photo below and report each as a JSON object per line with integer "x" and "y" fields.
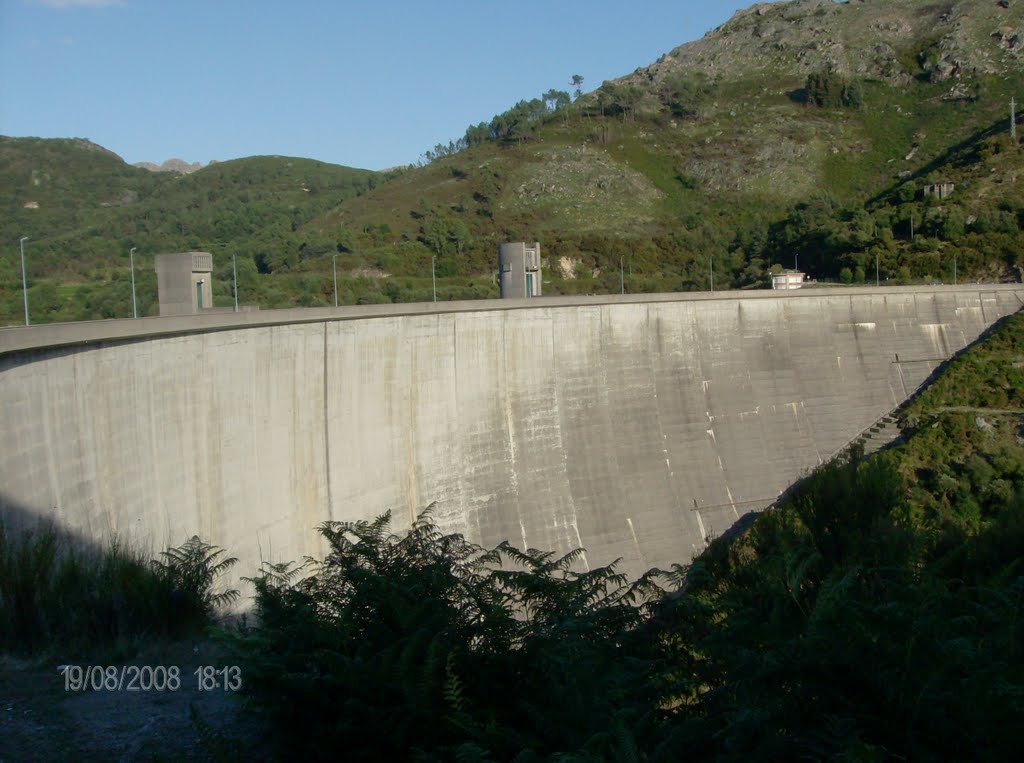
{"x": 83, "y": 208}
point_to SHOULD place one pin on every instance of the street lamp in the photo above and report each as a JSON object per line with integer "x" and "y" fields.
{"x": 954, "y": 268}
{"x": 622, "y": 276}
{"x": 131, "y": 265}
{"x": 877, "y": 280}
{"x": 335, "y": 280}
{"x": 24, "y": 286}
{"x": 711, "y": 272}
{"x": 433, "y": 275}
{"x": 234, "y": 275}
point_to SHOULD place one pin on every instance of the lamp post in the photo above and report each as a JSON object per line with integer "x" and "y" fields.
{"x": 796, "y": 262}
{"x": 711, "y": 272}
{"x": 877, "y": 280}
{"x": 131, "y": 265}
{"x": 335, "y": 280}
{"x": 433, "y": 275}
{"x": 24, "y": 286}
{"x": 954, "y": 268}
{"x": 234, "y": 276}
{"x": 622, "y": 277}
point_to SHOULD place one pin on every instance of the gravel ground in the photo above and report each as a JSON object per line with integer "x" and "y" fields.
{"x": 41, "y": 720}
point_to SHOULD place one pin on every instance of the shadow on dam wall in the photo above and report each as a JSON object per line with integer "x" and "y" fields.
{"x": 634, "y": 427}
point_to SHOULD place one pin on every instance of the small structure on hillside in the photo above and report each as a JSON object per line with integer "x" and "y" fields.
{"x": 519, "y": 269}
{"x": 939, "y": 190}
{"x": 183, "y": 282}
{"x": 787, "y": 279}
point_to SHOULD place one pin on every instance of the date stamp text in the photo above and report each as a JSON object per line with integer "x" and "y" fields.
{"x": 150, "y": 678}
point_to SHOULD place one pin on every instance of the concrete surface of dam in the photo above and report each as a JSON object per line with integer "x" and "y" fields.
{"x": 635, "y": 427}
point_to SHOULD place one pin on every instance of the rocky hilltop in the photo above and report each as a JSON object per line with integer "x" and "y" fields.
{"x": 886, "y": 40}
{"x": 171, "y": 165}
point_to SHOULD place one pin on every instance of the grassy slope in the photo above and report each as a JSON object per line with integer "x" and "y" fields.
{"x": 92, "y": 207}
{"x": 69, "y": 180}
{"x": 752, "y": 153}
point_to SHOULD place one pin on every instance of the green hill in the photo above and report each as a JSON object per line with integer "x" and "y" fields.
{"x": 83, "y": 208}
{"x": 803, "y": 129}
{"x": 797, "y": 130}
{"x": 720, "y": 150}
{"x": 61, "y": 185}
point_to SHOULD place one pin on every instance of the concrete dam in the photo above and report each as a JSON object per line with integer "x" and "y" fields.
{"x": 635, "y": 427}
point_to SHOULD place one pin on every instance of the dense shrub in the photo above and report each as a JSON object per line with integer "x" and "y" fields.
{"x": 429, "y": 646}
{"x": 830, "y": 89}
{"x": 57, "y": 595}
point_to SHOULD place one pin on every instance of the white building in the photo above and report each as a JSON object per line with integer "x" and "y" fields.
{"x": 787, "y": 279}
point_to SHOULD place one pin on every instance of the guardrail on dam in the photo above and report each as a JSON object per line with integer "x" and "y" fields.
{"x": 632, "y": 426}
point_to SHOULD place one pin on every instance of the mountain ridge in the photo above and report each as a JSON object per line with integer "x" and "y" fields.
{"x": 179, "y": 166}
{"x": 863, "y": 38}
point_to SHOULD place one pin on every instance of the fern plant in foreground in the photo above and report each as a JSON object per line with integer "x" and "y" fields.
{"x": 191, "y": 569}
{"x": 425, "y": 646}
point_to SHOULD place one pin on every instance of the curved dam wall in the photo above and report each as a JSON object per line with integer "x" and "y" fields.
{"x": 634, "y": 427}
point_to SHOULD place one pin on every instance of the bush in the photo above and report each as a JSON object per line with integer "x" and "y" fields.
{"x": 830, "y": 89}
{"x": 191, "y": 570}
{"x": 57, "y": 595}
{"x": 426, "y": 646}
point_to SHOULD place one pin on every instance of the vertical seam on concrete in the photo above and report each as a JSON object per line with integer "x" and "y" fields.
{"x": 327, "y": 434}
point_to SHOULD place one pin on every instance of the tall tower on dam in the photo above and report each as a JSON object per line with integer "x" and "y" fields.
{"x": 519, "y": 270}
{"x": 184, "y": 282}
{"x": 635, "y": 427}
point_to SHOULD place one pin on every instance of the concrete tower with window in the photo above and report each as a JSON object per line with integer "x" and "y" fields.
{"x": 183, "y": 282}
{"x": 519, "y": 269}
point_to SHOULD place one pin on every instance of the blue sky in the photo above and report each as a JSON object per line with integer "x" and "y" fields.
{"x": 366, "y": 84}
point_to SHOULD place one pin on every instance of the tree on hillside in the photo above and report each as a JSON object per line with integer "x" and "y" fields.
{"x": 618, "y": 99}
{"x": 577, "y": 84}
{"x": 477, "y": 134}
{"x": 682, "y": 94}
{"x": 459, "y": 235}
{"x": 556, "y": 99}
{"x": 830, "y": 89}
{"x": 550, "y": 98}
{"x": 446, "y": 236}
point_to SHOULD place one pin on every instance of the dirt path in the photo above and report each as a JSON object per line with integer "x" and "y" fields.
{"x": 41, "y": 720}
